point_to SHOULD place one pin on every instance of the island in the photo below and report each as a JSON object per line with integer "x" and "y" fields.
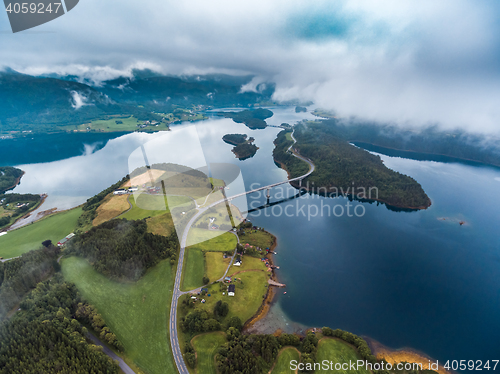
{"x": 299, "y": 109}
{"x": 345, "y": 170}
{"x": 253, "y": 119}
{"x": 244, "y": 149}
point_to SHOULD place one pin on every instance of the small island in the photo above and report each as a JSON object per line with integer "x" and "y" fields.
{"x": 253, "y": 119}
{"x": 244, "y": 149}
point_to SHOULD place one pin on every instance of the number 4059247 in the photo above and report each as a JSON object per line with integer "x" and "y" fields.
{"x": 32, "y": 8}
{"x": 470, "y": 365}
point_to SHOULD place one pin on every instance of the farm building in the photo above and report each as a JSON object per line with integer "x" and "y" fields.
{"x": 231, "y": 289}
{"x": 61, "y": 242}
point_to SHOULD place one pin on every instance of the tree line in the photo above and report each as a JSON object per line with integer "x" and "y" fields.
{"x": 20, "y": 275}
{"x": 47, "y": 336}
{"x": 122, "y": 249}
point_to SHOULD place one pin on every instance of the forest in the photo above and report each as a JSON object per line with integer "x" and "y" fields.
{"x": 9, "y": 177}
{"x": 235, "y": 139}
{"x": 245, "y": 151}
{"x": 122, "y": 249}
{"x": 343, "y": 169}
{"x": 47, "y": 336}
{"x": 253, "y": 119}
{"x": 20, "y": 275}
{"x": 429, "y": 142}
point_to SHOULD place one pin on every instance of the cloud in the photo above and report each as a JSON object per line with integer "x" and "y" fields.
{"x": 79, "y": 100}
{"x": 413, "y": 63}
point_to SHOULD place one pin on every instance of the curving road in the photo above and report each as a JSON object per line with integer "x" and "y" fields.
{"x": 177, "y": 293}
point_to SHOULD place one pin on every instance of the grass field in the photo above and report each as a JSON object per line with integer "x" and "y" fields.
{"x": 248, "y": 263}
{"x": 257, "y": 238}
{"x": 286, "y": 355}
{"x": 219, "y": 243}
{"x": 136, "y": 312}
{"x": 194, "y": 269}
{"x": 206, "y": 346}
{"x": 161, "y": 225}
{"x": 149, "y": 206}
{"x": 54, "y": 227}
{"x": 112, "y": 207}
{"x": 110, "y": 125}
{"x": 216, "y": 265}
{"x": 338, "y": 351}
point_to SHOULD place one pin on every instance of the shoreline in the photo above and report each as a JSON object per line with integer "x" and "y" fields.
{"x": 406, "y": 354}
{"x": 36, "y": 207}
{"x": 18, "y": 180}
{"x": 268, "y": 299}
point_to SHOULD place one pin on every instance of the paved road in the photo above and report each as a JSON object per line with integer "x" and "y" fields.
{"x": 126, "y": 369}
{"x": 176, "y": 294}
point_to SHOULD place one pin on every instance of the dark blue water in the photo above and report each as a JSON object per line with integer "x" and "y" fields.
{"x": 39, "y": 148}
{"x": 404, "y": 279}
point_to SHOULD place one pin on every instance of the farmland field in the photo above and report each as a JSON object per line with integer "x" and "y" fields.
{"x": 286, "y": 355}
{"x": 24, "y": 239}
{"x": 206, "y": 346}
{"x": 194, "y": 269}
{"x": 136, "y": 312}
{"x": 216, "y": 265}
{"x": 338, "y": 351}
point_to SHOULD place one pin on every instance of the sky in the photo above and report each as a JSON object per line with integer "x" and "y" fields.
{"x": 412, "y": 63}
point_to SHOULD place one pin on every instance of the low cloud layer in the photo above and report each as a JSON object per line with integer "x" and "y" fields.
{"x": 413, "y": 63}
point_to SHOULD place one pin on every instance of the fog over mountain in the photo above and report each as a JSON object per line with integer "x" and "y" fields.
{"x": 413, "y": 63}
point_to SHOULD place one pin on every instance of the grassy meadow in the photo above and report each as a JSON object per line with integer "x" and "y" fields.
{"x": 194, "y": 269}
{"x": 219, "y": 243}
{"x": 216, "y": 265}
{"x": 54, "y": 227}
{"x": 136, "y": 312}
{"x": 206, "y": 346}
{"x": 338, "y": 351}
{"x": 286, "y": 355}
{"x": 161, "y": 225}
{"x": 257, "y": 238}
{"x": 112, "y": 207}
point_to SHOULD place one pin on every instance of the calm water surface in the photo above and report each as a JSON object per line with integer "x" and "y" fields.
{"x": 416, "y": 279}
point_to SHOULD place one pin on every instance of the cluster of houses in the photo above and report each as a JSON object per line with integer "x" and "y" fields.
{"x": 148, "y": 123}
{"x": 66, "y": 239}
{"x": 18, "y": 205}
